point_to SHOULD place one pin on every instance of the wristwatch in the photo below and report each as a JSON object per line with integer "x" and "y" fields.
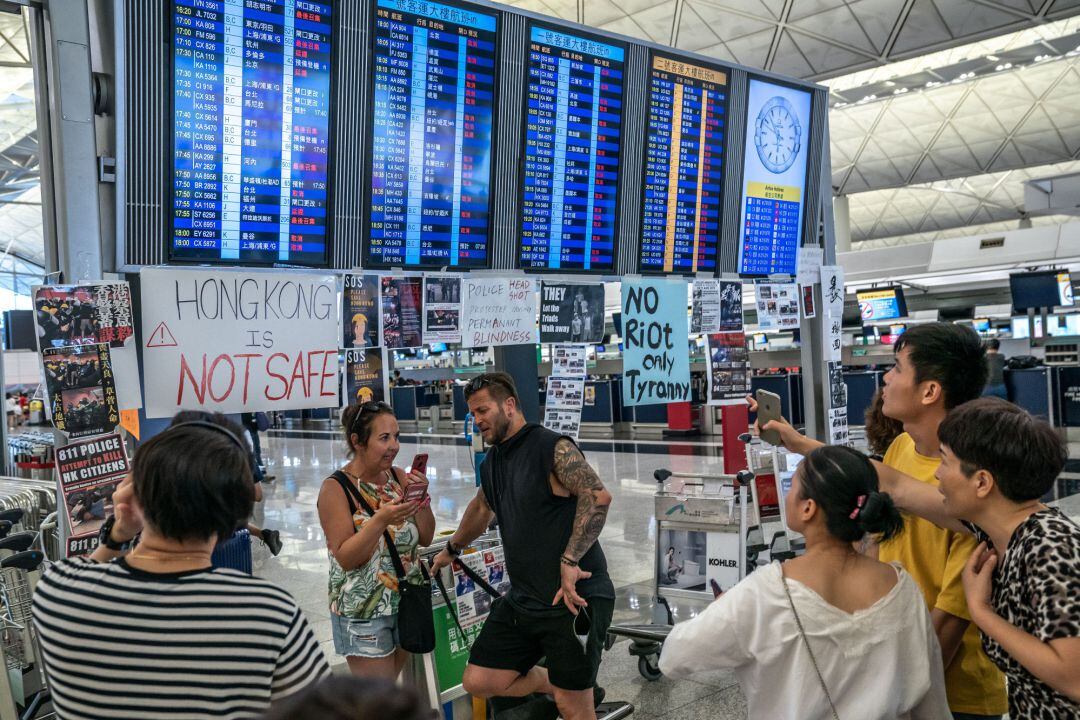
{"x": 105, "y": 536}
{"x": 454, "y": 552}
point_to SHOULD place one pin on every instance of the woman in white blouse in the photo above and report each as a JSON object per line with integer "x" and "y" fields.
{"x": 831, "y": 634}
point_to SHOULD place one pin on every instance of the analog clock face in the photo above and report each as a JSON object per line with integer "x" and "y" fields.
{"x": 777, "y": 135}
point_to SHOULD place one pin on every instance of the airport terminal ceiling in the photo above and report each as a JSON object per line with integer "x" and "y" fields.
{"x": 940, "y": 108}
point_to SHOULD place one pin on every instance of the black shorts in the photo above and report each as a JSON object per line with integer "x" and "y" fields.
{"x": 512, "y": 640}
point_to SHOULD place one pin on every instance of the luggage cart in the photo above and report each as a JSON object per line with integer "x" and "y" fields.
{"x": 27, "y": 697}
{"x": 713, "y": 510}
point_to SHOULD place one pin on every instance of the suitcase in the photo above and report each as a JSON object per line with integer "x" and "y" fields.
{"x": 234, "y": 553}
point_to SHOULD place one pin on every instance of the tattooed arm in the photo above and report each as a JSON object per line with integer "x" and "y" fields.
{"x": 593, "y": 500}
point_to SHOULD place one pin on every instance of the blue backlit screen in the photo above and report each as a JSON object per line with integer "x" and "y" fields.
{"x": 684, "y": 156}
{"x": 571, "y": 159}
{"x": 251, "y": 131}
{"x": 433, "y": 109}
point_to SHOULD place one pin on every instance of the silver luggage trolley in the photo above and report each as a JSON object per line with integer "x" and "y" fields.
{"x": 702, "y": 523}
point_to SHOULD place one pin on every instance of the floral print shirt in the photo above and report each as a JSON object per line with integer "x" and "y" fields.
{"x": 371, "y": 590}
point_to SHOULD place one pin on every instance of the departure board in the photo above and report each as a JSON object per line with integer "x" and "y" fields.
{"x": 684, "y": 155}
{"x": 251, "y": 131}
{"x": 774, "y": 178}
{"x": 433, "y": 108}
{"x": 571, "y": 169}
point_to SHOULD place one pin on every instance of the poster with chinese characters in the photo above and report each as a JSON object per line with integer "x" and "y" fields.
{"x": 777, "y": 306}
{"x": 82, "y": 394}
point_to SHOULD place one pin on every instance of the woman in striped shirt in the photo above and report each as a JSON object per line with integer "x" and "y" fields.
{"x": 156, "y": 631}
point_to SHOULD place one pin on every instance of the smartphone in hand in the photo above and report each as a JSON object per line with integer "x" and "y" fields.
{"x": 419, "y": 463}
{"x": 768, "y": 409}
{"x": 416, "y": 492}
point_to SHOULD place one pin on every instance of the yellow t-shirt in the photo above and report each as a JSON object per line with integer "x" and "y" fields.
{"x": 936, "y": 559}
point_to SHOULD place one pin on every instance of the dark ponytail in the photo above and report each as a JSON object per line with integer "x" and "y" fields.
{"x": 844, "y": 484}
{"x": 357, "y": 419}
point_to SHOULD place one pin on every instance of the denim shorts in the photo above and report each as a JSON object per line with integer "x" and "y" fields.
{"x": 374, "y": 638}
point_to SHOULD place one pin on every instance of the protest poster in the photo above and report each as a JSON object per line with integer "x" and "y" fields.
{"x": 564, "y": 422}
{"x": 498, "y": 311}
{"x": 568, "y": 360}
{"x": 238, "y": 341}
{"x": 565, "y": 393}
{"x": 728, "y": 368}
{"x": 838, "y": 427}
{"x": 731, "y": 316}
{"x": 806, "y": 293}
{"x": 832, "y": 312}
{"x": 705, "y": 307}
{"x": 442, "y": 308}
{"x": 89, "y": 471}
{"x": 473, "y": 603}
{"x": 365, "y": 376}
{"x": 360, "y": 311}
{"x": 495, "y": 563}
{"x": 656, "y": 360}
{"x": 590, "y": 395}
{"x": 82, "y": 393}
{"x": 837, "y": 386}
{"x": 810, "y": 257}
{"x": 402, "y": 312}
{"x": 778, "y": 306}
{"x": 88, "y": 314}
{"x": 571, "y": 312}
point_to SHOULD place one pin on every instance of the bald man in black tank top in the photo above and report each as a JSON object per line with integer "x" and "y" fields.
{"x": 551, "y": 507}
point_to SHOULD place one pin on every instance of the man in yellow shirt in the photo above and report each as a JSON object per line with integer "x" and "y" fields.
{"x": 938, "y": 366}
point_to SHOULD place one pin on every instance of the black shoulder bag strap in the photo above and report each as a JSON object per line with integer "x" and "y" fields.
{"x": 357, "y": 498}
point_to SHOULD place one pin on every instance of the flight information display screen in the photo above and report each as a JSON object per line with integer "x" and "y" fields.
{"x": 684, "y": 154}
{"x": 571, "y": 169}
{"x": 774, "y": 178}
{"x": 251, "y": 131}
{"x": 434, "y": 102}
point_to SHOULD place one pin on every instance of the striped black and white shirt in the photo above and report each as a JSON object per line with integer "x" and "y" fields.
{"x": 122, "y": 643}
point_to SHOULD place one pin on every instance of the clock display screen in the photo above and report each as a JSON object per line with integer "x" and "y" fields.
{"x": 684, "y": 153}
{"x": 774, "y": 179}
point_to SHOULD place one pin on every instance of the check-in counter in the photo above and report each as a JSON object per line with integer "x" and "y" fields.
{"x": 861, "y": 386}
{"x": 1032, "y": 390}
{"x": 598, "y": 410}
{"x": 404, "y": 401}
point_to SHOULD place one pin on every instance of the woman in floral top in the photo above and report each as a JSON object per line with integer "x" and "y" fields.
{"x": 363, "y": 585}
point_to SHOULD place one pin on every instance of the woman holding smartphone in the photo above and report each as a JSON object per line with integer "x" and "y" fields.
{"x": 361, "y": 505}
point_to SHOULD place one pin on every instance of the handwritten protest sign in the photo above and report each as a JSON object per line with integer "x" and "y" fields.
{"x": 89, "y": 472}
{"x": 656, "y": 359}
{"x": 498, "y": 311}
{"x": 233, "y": 341}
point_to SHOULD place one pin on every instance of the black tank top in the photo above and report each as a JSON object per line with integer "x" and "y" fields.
{"x": 535, "y": 523}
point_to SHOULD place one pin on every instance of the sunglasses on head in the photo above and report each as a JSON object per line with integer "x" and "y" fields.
{"x": 372, "y": 406}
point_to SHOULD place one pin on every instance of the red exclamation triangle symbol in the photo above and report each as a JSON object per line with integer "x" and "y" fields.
{"x": 161, "y": 337}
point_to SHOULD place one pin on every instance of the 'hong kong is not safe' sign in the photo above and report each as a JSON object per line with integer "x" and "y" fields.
{"x": 238, "y": 341}
{"x": 656, "y": 359}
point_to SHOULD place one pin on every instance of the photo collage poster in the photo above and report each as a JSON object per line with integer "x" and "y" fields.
{"x": 92, "y": 314}
{"x": 442, "y": 308}
{"x": 716, "y": 306}
{"x": 566, "y": 390}
{"x": 728, "y": 366}
{"x": 778, "y": 306}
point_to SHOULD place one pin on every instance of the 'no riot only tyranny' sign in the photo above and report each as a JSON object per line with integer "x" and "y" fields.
{"x": 656, "y": 357}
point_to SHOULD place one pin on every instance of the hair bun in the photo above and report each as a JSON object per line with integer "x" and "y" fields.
{"x": 879, "y": 516}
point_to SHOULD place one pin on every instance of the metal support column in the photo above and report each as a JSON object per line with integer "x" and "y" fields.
{"x": 520, "y": 362}
{"x": 815, "y": 371}
{"x": 72, "y": 172}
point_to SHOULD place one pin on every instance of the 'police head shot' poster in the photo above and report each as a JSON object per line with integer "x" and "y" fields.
{"x": 81, "y": 390}
{"x": 571, "y": 313}
{"x": 402, "y": 312}
{"x": 365, "y": 376}
{"x": 656, "y": 357}
{"x": 360, "y": 311}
